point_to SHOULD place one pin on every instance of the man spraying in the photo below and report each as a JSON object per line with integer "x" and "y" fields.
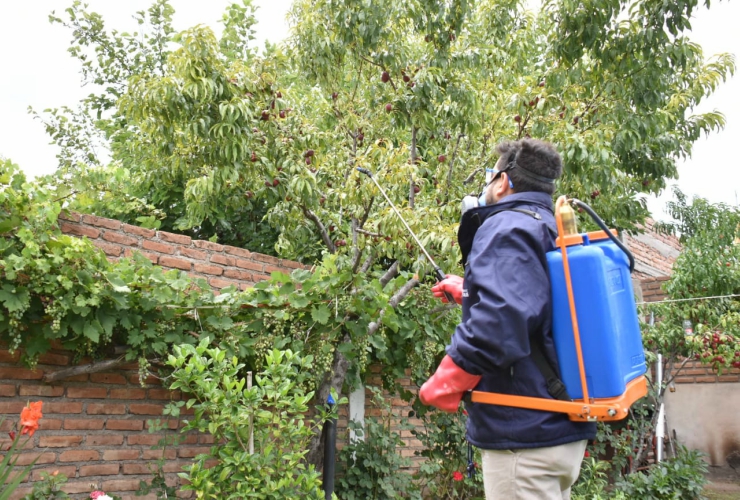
{"x": 507, "y": 324}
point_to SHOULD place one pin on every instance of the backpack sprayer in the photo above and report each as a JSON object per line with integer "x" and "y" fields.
{"x": 595, "y": 326}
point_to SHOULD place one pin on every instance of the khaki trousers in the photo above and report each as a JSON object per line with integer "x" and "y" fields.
{"x": 532, "y": 474}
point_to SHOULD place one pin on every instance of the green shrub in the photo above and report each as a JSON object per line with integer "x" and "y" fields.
{"x": 224, "y": 407}
{"x": 371, "y": 468}
{"x": 444, "y": 473}
{"x": 677, "y": 478}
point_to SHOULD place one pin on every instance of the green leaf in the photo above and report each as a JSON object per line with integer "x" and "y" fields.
{"x": 320, "y": 314}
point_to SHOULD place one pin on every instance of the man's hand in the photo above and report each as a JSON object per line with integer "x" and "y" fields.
{"x": 452, "y": 285}
{"x": 446, "y": 387}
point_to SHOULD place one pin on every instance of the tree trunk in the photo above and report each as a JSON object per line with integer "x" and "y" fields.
{"x": 335, "y": 380}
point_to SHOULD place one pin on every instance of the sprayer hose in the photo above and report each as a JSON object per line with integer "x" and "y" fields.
{"x": 601, "y": 224}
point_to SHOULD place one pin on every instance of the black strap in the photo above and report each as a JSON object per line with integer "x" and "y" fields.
{"x": 555, "y": 386}
{"x": 473, "y": 219}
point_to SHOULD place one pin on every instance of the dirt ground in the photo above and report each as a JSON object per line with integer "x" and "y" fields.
{"x": 724, "y": 483}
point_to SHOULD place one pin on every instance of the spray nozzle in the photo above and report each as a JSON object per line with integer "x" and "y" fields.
{"x": 365, "y": 171}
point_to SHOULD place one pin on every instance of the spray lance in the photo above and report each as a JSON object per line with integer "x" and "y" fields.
{"x": 437, "y": 270}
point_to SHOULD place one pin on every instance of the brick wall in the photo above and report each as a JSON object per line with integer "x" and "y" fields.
{"x": 221, "y": 265}
{"x": 94, "y": 429}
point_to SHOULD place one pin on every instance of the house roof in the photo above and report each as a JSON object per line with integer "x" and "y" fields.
{"x": 654, "y": 252}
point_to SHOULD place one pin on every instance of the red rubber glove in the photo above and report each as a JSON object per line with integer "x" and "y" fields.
{"x": 446, "y": 387}
{"x": 452, "y": 285}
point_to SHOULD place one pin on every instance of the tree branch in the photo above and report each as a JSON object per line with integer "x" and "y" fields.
{"x": 95, "y": 367}
{"x": 391, "y": 273}
{"x": 322, "y": 230}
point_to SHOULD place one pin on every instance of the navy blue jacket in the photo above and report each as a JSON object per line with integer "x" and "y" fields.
{"x": 506, "y": 306}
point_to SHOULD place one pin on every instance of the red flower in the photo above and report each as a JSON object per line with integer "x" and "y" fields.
{"x": 30, "y": 418}
{"x": 12, "y": 435}
{"x": 457, "y": 476}
{"x": 586, "y": 454}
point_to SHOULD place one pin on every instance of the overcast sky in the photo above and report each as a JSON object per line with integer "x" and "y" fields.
{"x": 35, "y": 70}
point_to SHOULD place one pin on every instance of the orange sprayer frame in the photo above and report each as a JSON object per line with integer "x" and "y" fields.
{"x": 587, "y": 409}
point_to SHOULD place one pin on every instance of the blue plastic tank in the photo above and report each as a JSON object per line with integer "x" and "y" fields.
{"x": 611, "y": 342}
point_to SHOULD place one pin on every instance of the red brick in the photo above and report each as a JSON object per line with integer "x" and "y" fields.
{"x": 77, "y": 230}
{"x": 223, "y": 259}
{"x": 220, "y": 283}
{"x": 208, "y": 245}
{"x": 206, "y": 439}
{"x": 99, "y": 470}
{"x": 82, "y": 377}
{"x": 169, "y": 453}
{"x": 51, "y": 358}
{"x": 291, "y": 265}
{"x": 124, "y": 425}
{"x": 239, "y": 252}
{"x": 180, "y": 239}
{"x": 189, "y": 439}
{"x": 136, "y": 469}
{"x": 76, "y": 424}
{"x": 120, "y": 455}
{"x": 144, "y": 439}
{"x": 67, "y": 215}
{"x": 101, "y": 222}
{"x": 244, "y": 286}
{"x": 6, "y": 357}
{"x": 150, "y": 380}
{"x": 87, "y": 392}
{"x": 8, "y": 391}
{"x": 156, "y": 246}
{"x": 79, "y": 456}
{"x": 275, "y": 269}
{"x": 269, "y": 259}
{"x": 121, "y": 485}
{"x": 145, "y": 409}
{"x": 175, "y": 263}
{"x": 12, "y": 407}
{"x": 18, "y": 373}
{"x": 193, "y": 253}
{"x": 127, "y": 393}
{"x": 208, "y": 269}
{"x": 107, "y": 378}
{"x": 106, "y": 409}
{"x": 50, "y": 424}
{"x": 260, "y": 277}
{"x": 139, "y": 231}
{"x": 59, "y": 441}
{"x": 237, "y": 274}
{"x": 729, "y": 378}
{"x": 108, "y": 248}
{"x": 706, "y": 380}
{"x": 164, "y": 394}
{"x": 121, "y": 239}
{"x": 103, "y": 440}
{"x": 248, "y": 264}
{"x": 43, "y": 458}
{"x": 73, "y": 487}
{"x": 191, "y": 451}
{"x": 67, "y": 470}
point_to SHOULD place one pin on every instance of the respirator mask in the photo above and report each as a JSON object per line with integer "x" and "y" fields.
{"x": 492, "y": 174}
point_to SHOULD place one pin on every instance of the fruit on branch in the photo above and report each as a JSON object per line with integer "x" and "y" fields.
{"x": 385, "y": 77}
